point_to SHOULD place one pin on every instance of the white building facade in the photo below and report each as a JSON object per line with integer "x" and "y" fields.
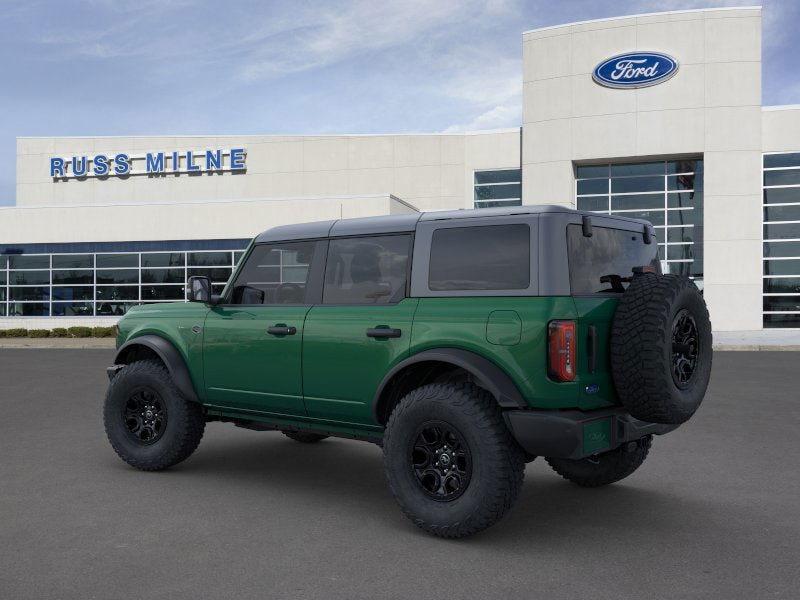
{"x": 104, "y": 223}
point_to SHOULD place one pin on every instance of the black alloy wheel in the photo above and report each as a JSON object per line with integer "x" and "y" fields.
{"x": 685, "y": 348}
{"x": 145, "y": 415}
{"x": 441, "y": 461}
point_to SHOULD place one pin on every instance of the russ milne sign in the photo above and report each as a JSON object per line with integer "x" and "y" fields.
{"x": 635, "y": 70}
{"x": 151, "y": 163}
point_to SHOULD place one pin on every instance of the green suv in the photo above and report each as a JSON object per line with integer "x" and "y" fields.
{"x": 464, "y": 343}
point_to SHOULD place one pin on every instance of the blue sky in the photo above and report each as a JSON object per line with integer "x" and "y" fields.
{"x": 153, "y": 67}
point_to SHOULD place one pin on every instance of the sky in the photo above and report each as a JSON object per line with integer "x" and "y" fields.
{"x": 172, "y": 67}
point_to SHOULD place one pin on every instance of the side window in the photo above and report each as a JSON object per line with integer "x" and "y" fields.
{"x": 275, "y": 274}
{"x": 367, "y": 270}
{"x": 488, "y": 257}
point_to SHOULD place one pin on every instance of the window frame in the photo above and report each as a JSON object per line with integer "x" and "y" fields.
{"x": 422, "y": 253}
{"x": 504, "y": 202}
{"x": 618, "y": 226}
{"x": 396, "y": 299}
{"x": 771, "y": 318}
{"x": 316, "y": 270}
{"x": 522, "y": 226}
{"x": 91, "y": 272}
{"x": 696, "y": 169}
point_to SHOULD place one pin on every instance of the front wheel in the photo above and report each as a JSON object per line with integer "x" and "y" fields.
{"x": 450, "y": 461}
{"x": 605, "y": 468}
{"x": 150, "y": 425}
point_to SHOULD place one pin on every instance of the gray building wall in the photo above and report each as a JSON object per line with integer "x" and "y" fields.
{"x": 432, "y": 172}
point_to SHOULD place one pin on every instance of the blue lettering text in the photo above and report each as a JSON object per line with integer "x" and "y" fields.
{"x": 100, "y": 163}
{"x": 213, "y": 160}
{"x": 56, "y": 167}
{"x": 237, "y": 159}
{"x": 121, "y": 164}
{"x": 190, "y": 166}
{"x": 79, "y": 168}
{"x": 155, "y": 162}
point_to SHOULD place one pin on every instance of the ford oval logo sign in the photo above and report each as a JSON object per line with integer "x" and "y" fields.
{"x": 635, "y": 70}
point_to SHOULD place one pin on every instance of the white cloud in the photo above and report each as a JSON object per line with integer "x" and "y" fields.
{"x": 332, "y": 35}
{"x": 497, "y": 117}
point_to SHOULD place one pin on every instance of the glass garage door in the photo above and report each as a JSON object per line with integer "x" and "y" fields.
{"x": 781, "y": 302}
{"x": 669, "y": 194}
{"x": 103, "y": 283}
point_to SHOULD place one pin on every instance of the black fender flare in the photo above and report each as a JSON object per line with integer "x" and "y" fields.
{"x": 169, "y": 355}
{"x": 492, "y": 378}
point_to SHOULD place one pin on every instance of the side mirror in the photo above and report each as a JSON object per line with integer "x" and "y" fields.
{"x": 199, "y": 289}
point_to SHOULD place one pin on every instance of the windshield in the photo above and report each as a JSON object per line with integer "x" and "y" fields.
{"x": 597, "y": 263}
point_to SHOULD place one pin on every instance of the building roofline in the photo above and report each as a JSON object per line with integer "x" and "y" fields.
{"x": 386, "y": 196}
{"x": 263, "y": 135}
{"x": 781, "y": 107}
{"x": 651, "y": 14}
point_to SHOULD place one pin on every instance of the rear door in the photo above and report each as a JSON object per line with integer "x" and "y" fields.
{"x": 362, "y": 327}
{"x": 606, "y": 254}
{"x": 252, "y": 348}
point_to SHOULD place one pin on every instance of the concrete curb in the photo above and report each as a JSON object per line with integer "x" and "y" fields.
{"x": 756, "y": 348}
{"x": 55, "y": 343}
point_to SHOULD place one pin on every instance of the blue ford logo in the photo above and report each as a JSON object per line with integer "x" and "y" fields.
{"x": 635, "y": 70}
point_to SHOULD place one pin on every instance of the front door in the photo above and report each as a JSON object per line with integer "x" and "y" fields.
{"x": 252, "y": 343}
{"x": 361, "y": 329}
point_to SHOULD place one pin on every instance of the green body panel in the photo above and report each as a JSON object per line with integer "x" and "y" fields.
{"x": 247, "y": 368}
{"x": 465, "y": 323}
{"x": 342, "y": 367}
{"x": 326, "y": 376}
{"x": 172, "y": 321}
{"x": 504, "y": 328}
{"x": 597, "y": 436}
{"x": 599, "y": 312}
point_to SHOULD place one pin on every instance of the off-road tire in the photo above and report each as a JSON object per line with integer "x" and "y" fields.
{"x": 498, "y": 466}
{"x": 604, "y": 468}
{"x": 184, "y": 427}
{"x": 642, "y": 348}
{"x": 305, "y": 437}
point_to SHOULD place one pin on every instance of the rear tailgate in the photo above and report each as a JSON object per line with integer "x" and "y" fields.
{"x": 599, "y": 264}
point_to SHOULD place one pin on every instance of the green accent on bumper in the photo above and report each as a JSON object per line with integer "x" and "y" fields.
{"x": 597, "y": 436}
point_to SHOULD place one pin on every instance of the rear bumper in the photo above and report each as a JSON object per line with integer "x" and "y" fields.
{"x": 577, "y": 434}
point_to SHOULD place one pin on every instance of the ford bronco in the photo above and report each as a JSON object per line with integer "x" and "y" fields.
{"x": 464, "y": 343}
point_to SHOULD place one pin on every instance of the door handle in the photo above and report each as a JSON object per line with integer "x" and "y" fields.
{"x": 281, "y": 329}
{"x": 383, "y": 332}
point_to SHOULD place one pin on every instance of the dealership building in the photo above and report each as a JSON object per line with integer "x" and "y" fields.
{"x": 653, "y": 116}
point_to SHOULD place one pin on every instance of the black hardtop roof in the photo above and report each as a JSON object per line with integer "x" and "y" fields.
{"x": 405, "y": 222}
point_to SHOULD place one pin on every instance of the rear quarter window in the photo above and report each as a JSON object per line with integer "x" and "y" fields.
{"x": 486, "y": 257}
{"x": 606, "y": 252}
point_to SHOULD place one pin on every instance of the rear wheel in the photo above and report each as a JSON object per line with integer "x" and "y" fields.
{"x": 150, "y": 425}
{"x": 606, "y": 468}
{"x": 450, "y": 461}
{"x": 304, "y": 436}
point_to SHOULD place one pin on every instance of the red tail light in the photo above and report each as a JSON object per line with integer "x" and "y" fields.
{"x": 561, "y": 350}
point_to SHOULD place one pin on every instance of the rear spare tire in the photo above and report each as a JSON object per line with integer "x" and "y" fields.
{"x": 661, "y": 348}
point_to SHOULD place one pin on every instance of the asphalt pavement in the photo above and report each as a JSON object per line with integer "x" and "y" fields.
{"x": 713, "y": 513}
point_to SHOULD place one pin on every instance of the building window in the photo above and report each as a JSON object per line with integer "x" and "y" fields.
{"x": 502, "y": 187}
{"x": 669, "y": 194}
{"x": 104, "y": 283}
{"x": 781, "y": 301}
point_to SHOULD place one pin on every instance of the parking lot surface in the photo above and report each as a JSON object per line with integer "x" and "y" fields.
{"x": 713, "y": 513}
